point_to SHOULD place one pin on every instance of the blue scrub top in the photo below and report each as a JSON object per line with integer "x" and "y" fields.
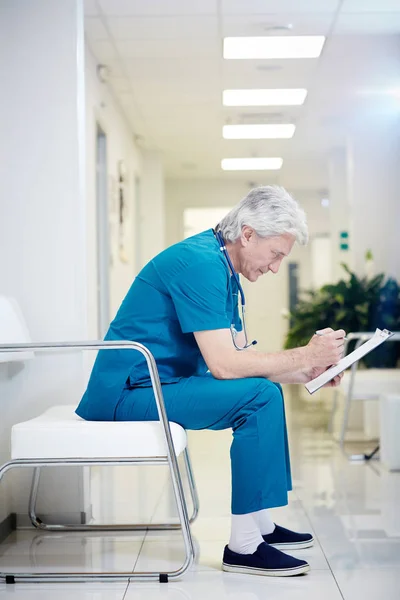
{"x": 187, "y": 287}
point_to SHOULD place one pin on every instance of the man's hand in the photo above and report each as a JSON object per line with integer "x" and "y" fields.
{"x": 315, "y": 371}
{"x": 325, "y": 350}
{"x": 307, "y": 375}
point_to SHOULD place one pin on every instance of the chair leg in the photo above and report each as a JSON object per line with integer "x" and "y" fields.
{"x": 36, "y": 522}
{"x": 182, "y": 510}
{"x": 345, "y": 421}
{"x": 192, "y": 485}
{"x": 37, "y": 577}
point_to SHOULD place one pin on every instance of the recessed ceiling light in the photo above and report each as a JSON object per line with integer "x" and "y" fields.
{"x": 288, "y": 97}
{"x": 251, "y": 164}
{"x": 258, "y": 132}
{"x": 293, "y": 46}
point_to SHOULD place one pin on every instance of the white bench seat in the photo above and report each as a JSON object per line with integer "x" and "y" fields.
{"x": 60, "y": 433}
{"x": 372, "y": 383}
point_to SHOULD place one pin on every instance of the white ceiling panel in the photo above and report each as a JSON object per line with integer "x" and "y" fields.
{"x": 356, "y": 62}
{"x": 272, "y": 24}
{"x": 170, "y": 48}
{"x": 103, "y": 50}
{"x": 115, "y": 66}
{"x": 90, "y": 8}
{"x": 179, "y": 88}
{"x": 95, "y": 29}
{"x": 240, "y": 7}
{"x": 368, "y": 23}
{"x": 179, "y": 124}
{"x": 121, "y": 85}
{"x": 171, "y": 69}
{"x": 169, "y": 74}
{"x": 202, "y": 139}
{"x": 199, "y": 112}
{"x": 365, "y": 6}
{"x": 158, "y": 7}
{"x": 186, "y": 94}
{"x": 163, "y": 28}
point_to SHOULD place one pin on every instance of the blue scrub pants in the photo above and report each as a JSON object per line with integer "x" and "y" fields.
{"x": 252, "y": 407}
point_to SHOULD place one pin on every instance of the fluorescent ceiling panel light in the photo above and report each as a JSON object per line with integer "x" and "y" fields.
{"x": 288, "y": 97}
{"x": 277, "y": 46}
{"x": 251, "y": 164}
{"x": 258, "y": 132}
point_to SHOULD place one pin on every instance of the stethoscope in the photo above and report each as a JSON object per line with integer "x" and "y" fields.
{"x": 224, "y": 251}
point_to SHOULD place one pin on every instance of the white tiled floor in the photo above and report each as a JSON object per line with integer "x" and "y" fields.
{"x": 352, "y": 509}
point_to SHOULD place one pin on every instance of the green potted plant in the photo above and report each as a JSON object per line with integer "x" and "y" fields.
{"x": 355, "y": 304}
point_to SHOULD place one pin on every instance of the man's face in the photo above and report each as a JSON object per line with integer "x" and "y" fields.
{"x": 258, "y": 256}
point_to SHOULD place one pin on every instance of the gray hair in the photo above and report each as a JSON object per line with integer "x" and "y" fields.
{"x": 270, "y": 210}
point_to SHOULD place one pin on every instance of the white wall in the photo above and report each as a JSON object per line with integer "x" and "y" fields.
{"x": 103, "y": 108}
{"x": 267, "y": 300}
{"x": 50, "y": 101}
{"x": 374, "y": 175}
{"x": 42, "y": 202}
{"x": 152, "y": 207}
{"x": 340, "y": 210}
{"x": 321, "y": 261}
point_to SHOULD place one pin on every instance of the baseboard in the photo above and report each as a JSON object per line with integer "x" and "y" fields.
{"x": 8, "y": 525}
{"x": 74, "y": 518}
{"x": 356, "y": 436}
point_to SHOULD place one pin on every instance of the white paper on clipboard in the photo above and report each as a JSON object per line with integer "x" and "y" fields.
{"x": 380, "y": 336}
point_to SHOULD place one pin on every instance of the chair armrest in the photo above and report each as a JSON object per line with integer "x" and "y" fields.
{"x": 108, "y": 345}
{"x": 363, "y": 336}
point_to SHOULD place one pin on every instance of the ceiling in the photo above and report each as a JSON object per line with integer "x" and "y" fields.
{"x": 166, "y": 67}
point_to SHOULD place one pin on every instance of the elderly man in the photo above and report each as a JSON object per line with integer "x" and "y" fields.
{"x": 183, "y": 306}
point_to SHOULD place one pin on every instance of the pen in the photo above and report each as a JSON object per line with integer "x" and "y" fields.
{"x": 320, "y": 333}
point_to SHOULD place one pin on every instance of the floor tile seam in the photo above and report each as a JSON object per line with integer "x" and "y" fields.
{"x": 126, "y": 589}
{"x": 160, "y": 497}
{"x": 323, "y": 552}
{"x": 138, "y": 555}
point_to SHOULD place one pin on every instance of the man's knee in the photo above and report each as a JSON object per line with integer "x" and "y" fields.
{"x": 269, "y": 391}
{"x": 265, "y": 392}
{"x": 266, "y": 399}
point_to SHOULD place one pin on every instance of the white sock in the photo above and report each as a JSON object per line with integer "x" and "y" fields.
{"x": 245, "y": 534}
{"x": 264, "y": 521}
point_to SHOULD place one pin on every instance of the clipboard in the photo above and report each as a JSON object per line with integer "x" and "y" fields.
{"x": 380, "y": 336}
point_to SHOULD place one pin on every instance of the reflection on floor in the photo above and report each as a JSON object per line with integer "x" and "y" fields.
{"x": 352, "y": 509}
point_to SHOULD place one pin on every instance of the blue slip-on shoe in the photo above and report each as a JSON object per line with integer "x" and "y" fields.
{"x": 284, "y": 539}
{"x": 266, "y": 560}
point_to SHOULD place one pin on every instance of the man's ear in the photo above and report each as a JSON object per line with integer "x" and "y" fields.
{"x": 247, "y": 233}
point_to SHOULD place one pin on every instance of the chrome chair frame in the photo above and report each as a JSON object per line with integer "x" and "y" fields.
{"x": 170, "y": 459}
